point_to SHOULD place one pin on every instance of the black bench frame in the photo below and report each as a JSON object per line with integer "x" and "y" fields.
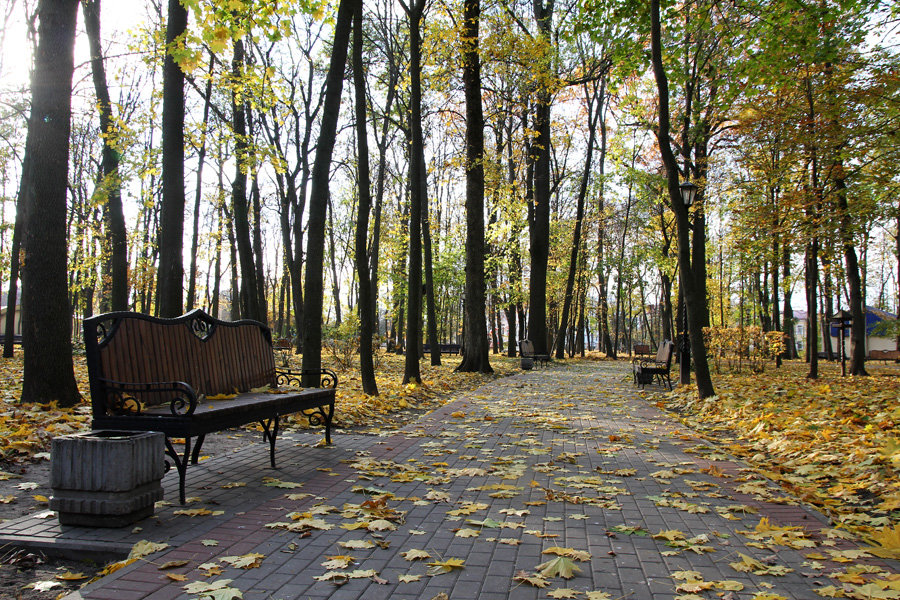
{"x": 526, "y": 350}
{"x": 445, "y": 348}
{"x": 644, "y": 371}
{"x": 178, "y": 408}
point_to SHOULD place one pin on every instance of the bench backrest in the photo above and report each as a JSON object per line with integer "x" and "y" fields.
{"x": 664, "y": 353}
{"x": 526, "y": 348}
{"x": 212, "y": 356}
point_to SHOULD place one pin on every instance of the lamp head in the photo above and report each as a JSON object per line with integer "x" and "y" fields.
{"x": 688, "y": 192}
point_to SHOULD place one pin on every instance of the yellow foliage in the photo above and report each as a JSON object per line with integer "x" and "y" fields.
{"x": 831, "y": 442}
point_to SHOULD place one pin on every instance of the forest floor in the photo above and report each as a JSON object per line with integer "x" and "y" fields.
{"x": 832, "y": 442}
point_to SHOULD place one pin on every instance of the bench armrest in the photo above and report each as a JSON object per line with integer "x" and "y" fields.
{"x": 326, "y": 378}
{"x": 120, "y": 399}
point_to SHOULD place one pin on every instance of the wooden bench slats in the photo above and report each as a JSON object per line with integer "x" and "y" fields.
{"x": 144, "y": 358}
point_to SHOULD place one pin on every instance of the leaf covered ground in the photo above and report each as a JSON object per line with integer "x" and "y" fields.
{"x": 833, "y": 442}
{"x": 26, "y": 430}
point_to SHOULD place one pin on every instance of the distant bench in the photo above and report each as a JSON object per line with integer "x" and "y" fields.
{"x": 884, "y": 355}
{"x": 445, "y": 348}
{"x": 150, "y": 374}
{"x": 642, "y": 349}
{"x": 526, "y": 351}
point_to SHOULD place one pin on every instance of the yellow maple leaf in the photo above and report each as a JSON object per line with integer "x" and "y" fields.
{"x": 445, "y": 566}
{"x": 886, "y": 542}
{"x": 560, "y": 566}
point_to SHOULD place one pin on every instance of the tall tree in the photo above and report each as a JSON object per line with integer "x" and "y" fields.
{"x": 250, "y": 305}
{"x": 418, "y": 190}
{"x": 49, "y": 373}
{"x": 319, "y": 193}
{"x": 695, "y": 299}
{"x": 109, "y": 184}
{"x": 594, "y": 95}
{"x": 539, "y": 214}
{"x": 170, "y": 280}
{"x": 366, "y": 309}
{"x": 476, "y": 358}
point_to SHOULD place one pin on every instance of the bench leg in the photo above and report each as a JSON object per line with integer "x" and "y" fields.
{"x": 270, "y": 434}
{"x": 195, "y": 455}
{"x": 181, "y": 463}
{"x": 321, "y": 415}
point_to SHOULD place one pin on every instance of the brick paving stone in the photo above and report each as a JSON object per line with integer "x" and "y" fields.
{"x": 558, "y": 439}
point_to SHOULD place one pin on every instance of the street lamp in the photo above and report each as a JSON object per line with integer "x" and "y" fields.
{"x": 688, "y": 193}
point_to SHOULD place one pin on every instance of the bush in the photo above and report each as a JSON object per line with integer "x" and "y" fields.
{"x": 733, "y": 346}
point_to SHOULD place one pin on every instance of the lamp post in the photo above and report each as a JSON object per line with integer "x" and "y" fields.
{"x": 842, "y": 320}
{"x": 688, "y": 193}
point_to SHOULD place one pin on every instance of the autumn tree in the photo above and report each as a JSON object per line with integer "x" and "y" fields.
{"x": 170, "y": 284}
{"x": 47, "y": 327}
{"x": 366, "y": 308}
{"x": 476, "y": 357}
{"x": 319, "y": 193}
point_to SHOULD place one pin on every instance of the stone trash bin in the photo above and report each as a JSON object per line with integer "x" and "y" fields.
{"x": 527, "y": 363}
{"x": 106, "y": 478}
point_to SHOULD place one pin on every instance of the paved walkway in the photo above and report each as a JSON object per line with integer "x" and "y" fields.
{"x": 568, "y": 466}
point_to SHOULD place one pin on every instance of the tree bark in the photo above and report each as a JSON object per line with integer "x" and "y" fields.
{"x": 170, "y": 280}
{"x": 540, "y": 224}
{"x": 417, "y": 177}
{"x": 46, "y": 310}
{"x": 593, "y": 117}
{"x": 365, "y": 305}
{"x": 318, "y": 203}
{"x": 477, "y": 353}
{"x": 198, "y": 189}
{"x": 110, "y": 184}
{"x": 695, "y": 301}
{"x": 250, "y": 308}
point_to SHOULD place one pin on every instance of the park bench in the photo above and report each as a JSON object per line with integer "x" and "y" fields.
{"x": 646, "y": 370}
{"x": 642, "y": 349}
{"x": 283, "y": 347}
{"x": 526, "y": 350}
{"x": 194, "y": 375}
{"x": 445, "y": 348}
{"x": 884, "y": 355}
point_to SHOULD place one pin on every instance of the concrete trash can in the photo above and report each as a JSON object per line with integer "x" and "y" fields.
{"x": 527, "y": 364}
{"x": 106, "y": 478}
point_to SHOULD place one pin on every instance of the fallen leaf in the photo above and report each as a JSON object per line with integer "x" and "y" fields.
{"x": 533, "y": 579}
{"x": 145, "y": 548}
{"x": 245, "y": 561}
{"x": 560, "y": 566}
{"x": 563, "y": 593}
{"x": 415, "y": 554}
{"x": 445, "y": 566}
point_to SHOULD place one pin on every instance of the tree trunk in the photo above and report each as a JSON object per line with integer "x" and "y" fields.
{"x": 477, "y": 355}
{"x": 198, "y": 189}
{"x": 788, "y": 312}
{"x": 604, "y": 341}
{"x": 417, "y": 176}
{"x": 170, "y": 282}
{"x": 854, "y": 282}
{"x": 365, "y": 305}
{"x": 318, "y": 203}
{"x": 11, "y": 296}
{"x": 250, "y": 308}
{"x": 110, "y": 184}
{"x": 540, "y": 224}
{"x": 46, "y": 310}
{"x": 695, "y": 301}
